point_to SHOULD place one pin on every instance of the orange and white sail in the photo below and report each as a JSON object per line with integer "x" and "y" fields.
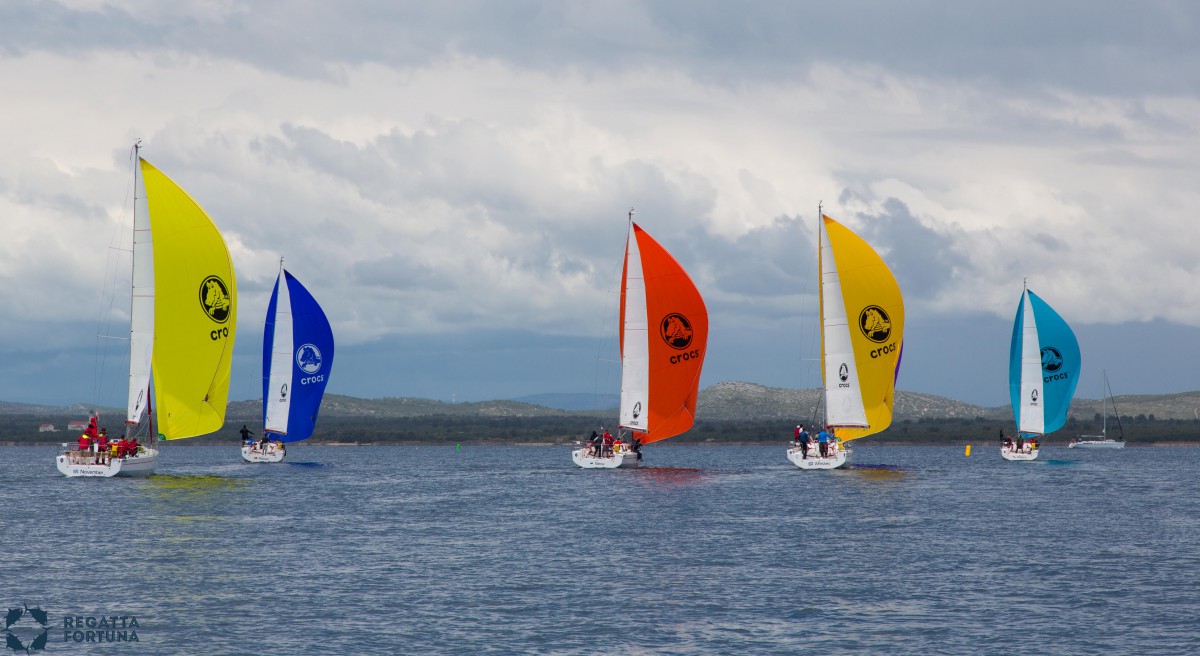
{"x": 664, "y": 334}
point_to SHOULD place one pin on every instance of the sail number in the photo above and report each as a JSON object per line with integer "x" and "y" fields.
{"x": 219, "y": 333}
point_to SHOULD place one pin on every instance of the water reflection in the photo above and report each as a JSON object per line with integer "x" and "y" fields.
{"x": 672, "y": 477}
{"x": 874, "y": 478}
{"x": 193, "y": 497}
{"x": 877, "y": 472}
{"x": 200, "y": 485}
{"x": 191, "y": 523}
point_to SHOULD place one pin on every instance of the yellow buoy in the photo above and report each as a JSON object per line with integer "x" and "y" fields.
{"x": 968, "y": 453}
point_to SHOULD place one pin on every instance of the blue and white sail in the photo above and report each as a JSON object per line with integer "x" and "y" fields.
{"x": 297, "y": 359}
{"x": 1043, "y": 367}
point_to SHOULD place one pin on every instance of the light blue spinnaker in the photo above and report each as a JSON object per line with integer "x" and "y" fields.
{"x": 297, "y": 359}
{"x": 1043, "y": 367}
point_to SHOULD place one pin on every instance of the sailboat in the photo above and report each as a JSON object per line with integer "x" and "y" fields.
{"x": 862, "y": 339}
{"x": 1102, "y": 441}
{"x": 664, "y": 333}
{"x": 297, "y": 360}
{"x": 183, "y": 319}
{"x": 1043, "y": 369}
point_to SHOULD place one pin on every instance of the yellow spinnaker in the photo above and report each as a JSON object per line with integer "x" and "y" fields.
{"x": 195, "y": 311}
{"x": 875, "y": 310}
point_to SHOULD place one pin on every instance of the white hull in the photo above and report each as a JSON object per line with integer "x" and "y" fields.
{"x": 1010, "y": 454}
{"x": 76, "y": 465}
{"x": 1096, "y": 444}
{"x": 814, "y": 460}
{"x": 625, "y": 459}
{"x": 256, "y": 454}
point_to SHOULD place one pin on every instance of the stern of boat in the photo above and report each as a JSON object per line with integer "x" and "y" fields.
{"x": 73, "y": 464}
{"x": 1018, "y": 456}
{"x": 796, "y": 456}
{"x": 251, "y": 454}
{"x": 623, "y": 460}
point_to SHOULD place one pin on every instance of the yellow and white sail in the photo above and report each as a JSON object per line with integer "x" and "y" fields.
{"x": 862, "y": 319}
{"x": 195, "y": 311}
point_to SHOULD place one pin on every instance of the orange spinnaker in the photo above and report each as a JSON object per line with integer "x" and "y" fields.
{"x": 677, "y": 338}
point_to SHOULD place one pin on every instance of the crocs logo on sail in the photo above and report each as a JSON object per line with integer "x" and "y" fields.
{"x": 875, "y": 324}
{"x": 676, "y": 331}
{"x": 1052, "y": 360}
{"x": 308, "y": 358}
{"x": 1033, "y": 397}
{"x": 214, "y": 298}
{"x": 637, "y": 409}
{"x": 844, "y": 375}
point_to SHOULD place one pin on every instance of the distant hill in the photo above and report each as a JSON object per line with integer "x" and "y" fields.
{"x": 335, "y": 405}
{"x": 734, "y": 401}
{"x": 1185, "y": 405}
{"x": 79, "y": 410}
{"x": 576, "y": 401}
{"x": 729, "y": 401}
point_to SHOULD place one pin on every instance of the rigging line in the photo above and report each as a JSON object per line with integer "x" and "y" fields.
{"x": 112, "y": 269}
{"x": 603, "y": 379}
{"x": 1113, "y": 399}
{"x": 816, "y": 338}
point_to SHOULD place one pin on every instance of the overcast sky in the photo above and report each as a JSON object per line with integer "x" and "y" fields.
{"x": 451, "y": 179}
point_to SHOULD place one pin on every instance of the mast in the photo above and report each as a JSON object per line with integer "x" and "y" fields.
{"x": 621, "y": 312}
{"x": 821, "y": 312}
{"x": 1024, "y": 301}
{"x": 149, "y": 418}
{"x": 628, "y": 236}
{"x": 279, "y": 375}
{"x": 1116, "y": 414}
{"x": 137, "y": 147}
{"x": 1103, "y": 407}
{"x": 276, "y": 372}
{"x": 1031, "y": 367}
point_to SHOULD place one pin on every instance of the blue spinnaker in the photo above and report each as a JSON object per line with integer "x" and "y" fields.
{"x": 296, "y": 362}
{"x": 1044, "y": 365}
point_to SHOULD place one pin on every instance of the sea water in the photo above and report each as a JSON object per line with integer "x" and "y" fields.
{"x": 704, "y": 550}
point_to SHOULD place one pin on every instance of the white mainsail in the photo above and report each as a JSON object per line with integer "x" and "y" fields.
{"x": 141, "y": 325}
{"x": 1033, "y": 416}
{"x": 635, "y": 356}
{"x": 282, "y": 351}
